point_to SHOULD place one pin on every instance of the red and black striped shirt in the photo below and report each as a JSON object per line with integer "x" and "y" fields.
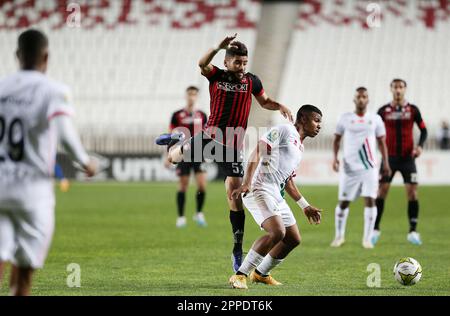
{"x": 399, "y": 121}
{"x": 231, "y": 100}
{"x": 194, "y": 121}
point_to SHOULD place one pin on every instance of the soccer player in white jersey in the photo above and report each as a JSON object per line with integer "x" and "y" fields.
{"x": 269, "y": 174}
{"x": 34, "y": 114}
{"x": 361, "y": 131}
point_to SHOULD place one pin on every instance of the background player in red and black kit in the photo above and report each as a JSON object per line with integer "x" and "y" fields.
{"x": 193, "y": 120}
{"x": 399, "y": 117}
{"x": 230, "y": 101}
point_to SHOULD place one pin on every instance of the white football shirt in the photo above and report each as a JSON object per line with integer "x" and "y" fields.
{"x": 359, "y": 134}
{"x": 276, "y": 168}
{"x": 28, "y": 142}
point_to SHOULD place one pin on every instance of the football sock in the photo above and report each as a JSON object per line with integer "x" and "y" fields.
{"x": 380, "y": 208}
{"x": 200, "y": 200}
{"x": 370, "y": 214}
{"x": 340, "y": 221}
{"x": 237, "y": 220}
{"x": 413, "y": 213}
{"x": 181, "y": 198}
{"x": 268, "y": 264}
{"x": 251, "y": 261}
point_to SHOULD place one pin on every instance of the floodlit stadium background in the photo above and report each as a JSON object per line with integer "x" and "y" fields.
{"x": 128, "y": 64}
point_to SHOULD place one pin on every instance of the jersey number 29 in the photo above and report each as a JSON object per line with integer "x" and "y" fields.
{"x": 14, "y": 136}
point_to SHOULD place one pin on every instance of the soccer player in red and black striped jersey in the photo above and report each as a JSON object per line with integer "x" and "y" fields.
{"x": 193, "y": 120}
{"x": 231, "y": 91}
{"x": 399, "y": 117}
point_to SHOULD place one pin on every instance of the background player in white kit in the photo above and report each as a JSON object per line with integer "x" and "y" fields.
{"x": 361, "y": 131}
{"x": 270, "y": 172}
{"x": 34, "y": 113}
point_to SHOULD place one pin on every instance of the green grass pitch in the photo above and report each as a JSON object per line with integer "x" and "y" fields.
{"x": 123, "y": 236}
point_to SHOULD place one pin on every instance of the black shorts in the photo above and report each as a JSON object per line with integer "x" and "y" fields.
{"x": 184, "y": 168}
{"x": 407, "y": 168}
{"x": 202, "y": 147}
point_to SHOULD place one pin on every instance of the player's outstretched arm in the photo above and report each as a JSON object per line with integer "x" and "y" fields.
{"x": 71, "y": 141}
{"x": 205, "y": 62}
{"x": 336, "y": 147}
{"x": 313, "y": 214}
{"x": 269, "y": 104}
{"x": 382, "y": 147}
{"x": 253, "y": 162}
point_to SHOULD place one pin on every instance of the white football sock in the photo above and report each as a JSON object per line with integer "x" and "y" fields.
{"x": 370, "y": 215}
{"x": 251, "y": 261}
{"x": 340, "y": 220}
{"x": 268, "y": 264}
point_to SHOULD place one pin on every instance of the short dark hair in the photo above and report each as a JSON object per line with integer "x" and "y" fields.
{"x": 307, "y": 109}
{"x": 398, "y": 80}
{"x": 236, "y": 48}
{"x": 30, "y": 45}
{"x": 194, "y": 88}
{"x": 361, "y": 89}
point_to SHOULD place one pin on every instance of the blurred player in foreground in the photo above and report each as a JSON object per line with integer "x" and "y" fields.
{"x": 231, "y": 93}
{"x": 270, "y": 172}
{"x": 192, "y": 120}
{"x": 359, "y": 174}
{"x": 399, "y": 117}
{"x": 34, "y": 113}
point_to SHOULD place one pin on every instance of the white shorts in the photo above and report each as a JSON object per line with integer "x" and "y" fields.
{"x": 352, "y": 186}
{"x": 26, "y": 230}
{"x": 262, "y": 206}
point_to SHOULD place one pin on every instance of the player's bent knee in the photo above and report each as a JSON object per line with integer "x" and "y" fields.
{"x": 277, "y": 235}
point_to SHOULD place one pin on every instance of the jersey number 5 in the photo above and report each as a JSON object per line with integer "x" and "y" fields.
{"x": 14, "y": 137}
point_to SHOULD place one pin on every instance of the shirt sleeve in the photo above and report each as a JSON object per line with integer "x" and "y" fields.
{"x": 205, "y": 119}
{"x": 214, "y": 74}
{"x": 380, "y": 129}
{"x": 60, "y": 102}
{"x": 173, "y": 121}
{"x": 69, "y": 138}
{"x": 257, "y": 89}
{"x": 340, "y": 127}
{"x": 380, "y": 113}
{"x": 418, "y": 119}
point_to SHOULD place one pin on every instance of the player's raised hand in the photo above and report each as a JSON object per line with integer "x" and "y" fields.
{"x": 92, "y": 167}
{"x": 336, "y": 165}
{"x": 313, "y": 214}
{"x": 244, "y": 188}
{"x": 286, "y": 112}
{"x": 226, "y": 41}
{"x": 386, "y": 171}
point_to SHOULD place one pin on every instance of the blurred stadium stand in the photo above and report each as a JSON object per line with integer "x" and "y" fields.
{"x": 130, "y": 61}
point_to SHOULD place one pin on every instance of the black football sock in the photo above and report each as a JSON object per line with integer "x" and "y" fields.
{"x": 240, "y": 273}
{"x": 237, "y": 220}
{"x": 413, "y": 214}
{"x": 200, "y": 200}
{"x": 181, "y": 198}
{"x": 380, "y": 208}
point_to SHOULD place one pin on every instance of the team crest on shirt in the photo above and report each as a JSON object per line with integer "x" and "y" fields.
{"x": 273, "y": 135}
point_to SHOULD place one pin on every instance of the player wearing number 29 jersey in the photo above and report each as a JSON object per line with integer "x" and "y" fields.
{"x": 34, "y": 114}
{"x": 29, "y": 101}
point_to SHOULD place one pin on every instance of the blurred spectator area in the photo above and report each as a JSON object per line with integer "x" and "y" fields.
{"x": 128, "y": 62}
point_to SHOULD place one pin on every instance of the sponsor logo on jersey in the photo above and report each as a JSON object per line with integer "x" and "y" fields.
{"x": 232, "y": 87}
{"x": 399, "y": 116}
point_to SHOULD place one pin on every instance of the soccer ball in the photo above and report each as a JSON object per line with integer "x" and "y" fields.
{"x": 407, "y": 271}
